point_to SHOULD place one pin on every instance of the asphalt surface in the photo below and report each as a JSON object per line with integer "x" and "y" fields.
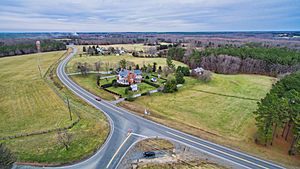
{"x": 120, "y": 140}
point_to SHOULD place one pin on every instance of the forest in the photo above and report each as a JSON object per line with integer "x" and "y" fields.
{"x": 278, "y": 114}
{"x": 233, "y": 60}
{"x": 27, "y": 48}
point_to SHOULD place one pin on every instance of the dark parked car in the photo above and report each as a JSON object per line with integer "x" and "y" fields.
{"x": 149, "y": 154}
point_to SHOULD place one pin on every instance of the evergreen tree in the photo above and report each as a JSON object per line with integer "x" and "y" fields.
{"x": 7, "y": 158}
{"x": 179, "y": 78}
{"x": 170, "y": 86}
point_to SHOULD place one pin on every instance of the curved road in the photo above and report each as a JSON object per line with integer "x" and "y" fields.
{"x": 119, "y": 141}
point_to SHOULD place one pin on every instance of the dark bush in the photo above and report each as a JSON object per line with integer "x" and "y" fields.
{"x": 170, "y": 86}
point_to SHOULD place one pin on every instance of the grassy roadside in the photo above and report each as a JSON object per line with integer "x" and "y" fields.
{"x": 198, "y": 165}
{"x": 87, "y": 135}
{"x": 153, "y": 144}
{"x": 167, "y": 161}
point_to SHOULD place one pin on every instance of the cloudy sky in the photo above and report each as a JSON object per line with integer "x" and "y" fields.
{"x": 148, "y": 15}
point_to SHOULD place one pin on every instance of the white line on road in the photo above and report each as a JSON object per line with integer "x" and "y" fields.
{"x": 140, "y": 135}
{"x": 118, "y": 150}
{"x": 217, "y": 150}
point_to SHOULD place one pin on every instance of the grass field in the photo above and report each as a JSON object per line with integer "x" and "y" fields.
{"x": 219, "y": 114}
{"x": 29, "y": 104}
{"x": 113, "y": 61}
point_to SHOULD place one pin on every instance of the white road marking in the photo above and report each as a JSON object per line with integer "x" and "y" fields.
{"x": 218, "y": 150}
{"x": 118, "y": 150}
{"x": 140, "y": 135}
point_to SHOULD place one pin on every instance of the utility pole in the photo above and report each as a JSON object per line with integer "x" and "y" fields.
{"x": 39, "y": 67}
{"x": 69, "y": 108}
{"x": 40, "y": 71}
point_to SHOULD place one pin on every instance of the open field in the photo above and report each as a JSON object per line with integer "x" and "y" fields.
{"x": 86, "y": 136}
{"x": 113, "y": 61}
{"x": 194, "y": 106}
{"x": 27, "y": 103}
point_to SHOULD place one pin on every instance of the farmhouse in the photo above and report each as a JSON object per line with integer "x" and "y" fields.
{"x": 127, "y": 77}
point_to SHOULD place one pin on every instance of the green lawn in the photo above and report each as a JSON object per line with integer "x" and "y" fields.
{"x": 142, "y": 88}
{"x": 29, "y": 104}
{"x": 212, "y": 112}
{"x": 159, "y": 80}
{"x": 89, "y": 83}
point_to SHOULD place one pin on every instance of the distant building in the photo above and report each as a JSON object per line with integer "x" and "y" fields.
{"x": 127, "y": 77}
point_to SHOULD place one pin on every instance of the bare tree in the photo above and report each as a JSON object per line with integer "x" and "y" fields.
{"x": 106, "y": 65}
{"x": 167, "y": 70}
{"x": 98, "y": 66}
{"x": 64, "y": 138}
{"x": 152, "y": 51}
{"x": 205, "y": 76}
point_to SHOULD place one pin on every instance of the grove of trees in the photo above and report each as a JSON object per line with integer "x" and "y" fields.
{"x": 27, "y": 48}
{"x": 278, "y": 114}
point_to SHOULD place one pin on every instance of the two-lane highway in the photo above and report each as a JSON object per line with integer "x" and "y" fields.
{"x": 119, "y": 140}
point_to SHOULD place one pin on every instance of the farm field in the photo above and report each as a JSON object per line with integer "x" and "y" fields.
{"x": 29, "y": 104}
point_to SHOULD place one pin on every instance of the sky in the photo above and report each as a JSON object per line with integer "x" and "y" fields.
{"x": 148, "y": 15}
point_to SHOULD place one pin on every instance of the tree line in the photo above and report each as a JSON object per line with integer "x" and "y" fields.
{"x": 278, "y": 114}
{"x": 232, "y": 60}
{"x": 28, "y": 48}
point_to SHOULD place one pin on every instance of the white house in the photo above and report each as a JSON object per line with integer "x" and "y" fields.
{"x": 127, "y": 77}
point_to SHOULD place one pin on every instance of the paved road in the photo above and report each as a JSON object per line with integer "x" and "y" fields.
{"x": 119, "y": 141}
